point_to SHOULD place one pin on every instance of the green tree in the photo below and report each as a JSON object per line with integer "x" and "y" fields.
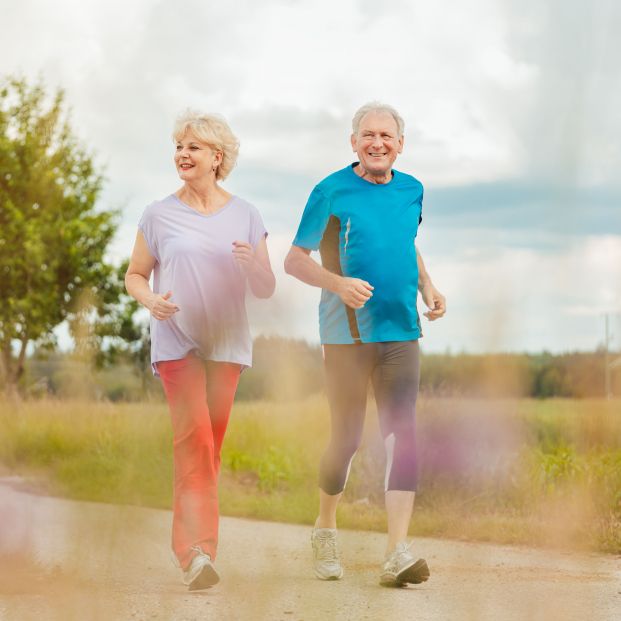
{"x": 118, "y": 333}
{"x": 52, "y": 237}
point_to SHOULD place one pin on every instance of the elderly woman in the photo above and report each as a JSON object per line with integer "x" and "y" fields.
{"x": 203, "y": 246}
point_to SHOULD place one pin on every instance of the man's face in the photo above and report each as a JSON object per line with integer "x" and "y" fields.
{"x": 377, "y": 142}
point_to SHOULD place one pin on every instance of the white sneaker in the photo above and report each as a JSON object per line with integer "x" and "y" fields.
{"x": 327, "y": 564}
{"x": 201, "y": 574}
{"x": 400, "y": 567}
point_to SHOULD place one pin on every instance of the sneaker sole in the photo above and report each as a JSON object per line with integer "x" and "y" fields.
{"x": 416, "y": 573}
{"x": 322, "y": 577}
{"x": 205, "y": 579}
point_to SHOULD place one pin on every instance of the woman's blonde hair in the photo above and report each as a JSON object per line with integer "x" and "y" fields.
{"x": 213, "y": 130}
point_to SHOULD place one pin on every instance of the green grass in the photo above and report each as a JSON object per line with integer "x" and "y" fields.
{"x": 509, "y": 471}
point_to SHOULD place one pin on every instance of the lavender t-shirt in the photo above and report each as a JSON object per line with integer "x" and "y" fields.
{"x": 194, "y": 260}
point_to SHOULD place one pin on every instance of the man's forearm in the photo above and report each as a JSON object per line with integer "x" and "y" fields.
{"x": 423, "y": 275}
{"x": 304, "y": 268}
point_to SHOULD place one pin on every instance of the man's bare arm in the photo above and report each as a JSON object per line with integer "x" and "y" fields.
{"x": 353, "y": 291}
{"x": 434, "y": 300}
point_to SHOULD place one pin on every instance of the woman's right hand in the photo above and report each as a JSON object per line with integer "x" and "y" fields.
{"x": 160, "y": 307}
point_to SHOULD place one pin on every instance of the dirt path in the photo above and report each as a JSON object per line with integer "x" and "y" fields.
{"x": 70, "y": 560}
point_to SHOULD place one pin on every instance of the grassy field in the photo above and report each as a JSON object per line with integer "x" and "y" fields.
{"x": 515, "y": 471}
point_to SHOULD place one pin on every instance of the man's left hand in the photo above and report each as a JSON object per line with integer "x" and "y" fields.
{"x": 434, "y": 300}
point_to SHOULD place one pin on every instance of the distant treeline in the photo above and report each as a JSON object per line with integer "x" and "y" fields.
{"x": 577, "y": 375}
{"x": 287, "y": 369}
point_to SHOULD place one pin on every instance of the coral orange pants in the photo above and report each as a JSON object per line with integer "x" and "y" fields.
{"x": 200, "y": 397}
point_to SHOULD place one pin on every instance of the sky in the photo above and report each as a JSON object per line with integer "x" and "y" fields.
{"x": 512, "y": 124}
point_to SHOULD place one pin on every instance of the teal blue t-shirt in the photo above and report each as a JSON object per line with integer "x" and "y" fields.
{"x": 366, "y": 230}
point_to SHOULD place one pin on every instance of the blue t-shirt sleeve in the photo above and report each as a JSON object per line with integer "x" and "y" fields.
{"x": 420, "y": 217}
{"x": 314, "y": 221}
{"x": 148, "y": 227}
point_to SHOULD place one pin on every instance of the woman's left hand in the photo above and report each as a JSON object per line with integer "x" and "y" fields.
{"x": 243, "y": 253}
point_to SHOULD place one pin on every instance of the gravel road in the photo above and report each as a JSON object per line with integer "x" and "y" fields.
{"x": 66, "y": 560}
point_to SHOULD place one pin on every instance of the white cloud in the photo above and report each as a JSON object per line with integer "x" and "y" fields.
{"x": 488, "y": 90}
{"x": 295, "y": 70}
{"x": 518, "y": 298}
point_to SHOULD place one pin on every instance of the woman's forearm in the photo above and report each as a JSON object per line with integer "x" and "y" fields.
{"x": 262, "y": 281}
{"x": 138, "y": 287}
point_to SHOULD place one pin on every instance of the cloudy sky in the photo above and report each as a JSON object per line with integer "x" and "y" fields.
{"x": 512, "y": 124}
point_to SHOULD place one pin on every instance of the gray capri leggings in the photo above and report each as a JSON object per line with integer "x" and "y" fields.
{"x": 394, "y": 369}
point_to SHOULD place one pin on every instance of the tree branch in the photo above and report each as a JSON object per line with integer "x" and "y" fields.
{"x": 19, "y": 367}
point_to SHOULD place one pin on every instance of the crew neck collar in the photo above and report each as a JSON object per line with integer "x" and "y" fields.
{"x": 365, "y": 181}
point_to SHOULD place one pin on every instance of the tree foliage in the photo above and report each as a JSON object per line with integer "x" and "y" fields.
{"x": 106, "y": 329}
{"x": 52, "y": 237}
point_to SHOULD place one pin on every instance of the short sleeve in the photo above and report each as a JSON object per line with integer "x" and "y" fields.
{"x": 314, "y": 221}
{"x": 420, "y": 217}
{"x": 257, "y": 228}
{"x": 148, "y": 228}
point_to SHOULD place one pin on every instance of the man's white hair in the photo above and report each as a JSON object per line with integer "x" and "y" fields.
{"x": 377, "y": 106}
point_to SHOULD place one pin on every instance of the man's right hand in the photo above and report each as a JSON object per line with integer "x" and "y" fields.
{"x": 354, "y": 292}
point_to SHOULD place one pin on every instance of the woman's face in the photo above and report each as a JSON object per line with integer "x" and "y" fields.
{"x": 195, "y": 159}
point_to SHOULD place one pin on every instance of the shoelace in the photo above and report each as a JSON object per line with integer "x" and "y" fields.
{"x": 200, "y": 550}
{"x": 404, "y": 546}
{"x": 401, "y": 548}
{"x": 327, "y": 549}
{"x": 175, "y": 561}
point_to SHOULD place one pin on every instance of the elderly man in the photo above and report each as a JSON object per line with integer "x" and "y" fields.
{"x": 364, "y": 220}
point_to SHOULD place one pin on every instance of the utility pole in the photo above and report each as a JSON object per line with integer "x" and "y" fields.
{"x": 612, "y": 360}
{"x": 607, "y": 391}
